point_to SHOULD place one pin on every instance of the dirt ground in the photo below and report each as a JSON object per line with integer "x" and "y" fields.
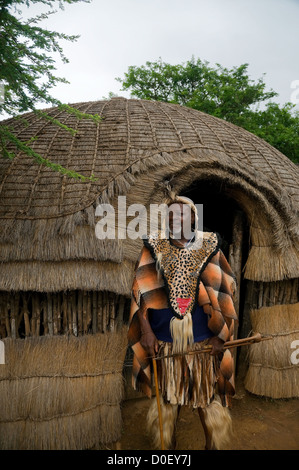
{"x": 258, "y": 423}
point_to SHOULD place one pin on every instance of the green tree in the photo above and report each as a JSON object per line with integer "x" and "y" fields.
{"x": 278, "y": 125}
{"x": 229, "y": 94}
{"x": 27, "y": 71}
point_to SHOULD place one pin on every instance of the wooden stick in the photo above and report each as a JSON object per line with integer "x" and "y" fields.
{"x": 100, "y": 312}
{"x": 158, "y": 403}
{"x": 50, "y": 313}
{"x": 37, "y": 309}
{"x": 235, "y": 261}
{"x": 80, "y": 312}
{"x": 288, "y": 297}
{"x": 3, "y": 310}
{"x": 89, "y": 313}
{"x": 7, "y": 322}
{"x": 33, "y": 316}
{"x": 14, "y": 309}
{"x": 69, "y": 312}
{"x": 64, "y": 312}
{"x": 74, "y": 313}
{"x": 94, "y": 312}
{"x": 25, "y": 314}
{"x": 105, "y": 307}
{"x": 112, "y": 300}
{"x": 260, "y": 298}
{"x": 296, "y": 289}
{"x": 120, "y": 314}
{"x": 281, "y": 292}
{"x": 58, "y": 306}
{"x": 228, "y": 345}
{"x": 55, "y": 313}
{"x": 84, "y": 312}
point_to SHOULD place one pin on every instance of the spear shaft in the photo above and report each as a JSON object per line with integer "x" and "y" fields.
{"x": 227, "y": 345}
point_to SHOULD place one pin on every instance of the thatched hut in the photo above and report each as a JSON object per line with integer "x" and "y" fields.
{"x": 63, "y": 291}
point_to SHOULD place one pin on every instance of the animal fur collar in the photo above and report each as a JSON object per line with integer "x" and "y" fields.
{"x": 181, "y": 268}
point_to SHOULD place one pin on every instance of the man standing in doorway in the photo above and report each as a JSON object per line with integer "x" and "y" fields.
{"x": 182, "y": 301}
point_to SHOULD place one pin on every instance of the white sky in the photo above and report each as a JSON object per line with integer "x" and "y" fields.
{"x": 115, "y": 34}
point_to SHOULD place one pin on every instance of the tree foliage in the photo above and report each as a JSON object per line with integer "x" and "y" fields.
{"x": 228, "y": 94}
{"x": 27, "y": 71}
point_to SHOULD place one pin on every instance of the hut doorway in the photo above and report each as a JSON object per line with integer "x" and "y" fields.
{"x": 222, "y": 214}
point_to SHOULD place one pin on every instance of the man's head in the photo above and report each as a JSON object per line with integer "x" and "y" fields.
{"x": 181, "y": 219}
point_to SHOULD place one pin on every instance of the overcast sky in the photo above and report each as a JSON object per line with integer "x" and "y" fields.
{"x": 115, "y": 34}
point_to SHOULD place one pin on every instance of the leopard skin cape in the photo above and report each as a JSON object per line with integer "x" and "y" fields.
{"x": 214, "y": 289}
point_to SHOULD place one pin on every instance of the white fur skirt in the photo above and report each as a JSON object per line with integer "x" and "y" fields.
{"x": 188, "y": 379}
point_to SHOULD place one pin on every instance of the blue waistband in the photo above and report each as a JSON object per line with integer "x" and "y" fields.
{"x": 160, "y": 321}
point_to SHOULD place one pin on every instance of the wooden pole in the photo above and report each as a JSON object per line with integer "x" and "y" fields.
{"x": 6, "y": 307}
{"x": 50, "y": 313}
{"x": 89, "y": 312}
{"x": 14, "y": 310}
{"x": 37, "y": 309}
{"x": 158, "y": 403}
{"x": 235, "y": 261}
{"x": 235, "y": 253}
{"x": 295, "y": 291}
{"x": 55, "y": 313}
{"x": 85, "y": 312}
{"x": 105, "y": 308}
{"x": 80, "y": 312}
{"x": 64, "y": 312}
{"x": 94, "y": 312}
{"x": 4, "y": 314}
{"x": 74, "y": 313}
{"x": 69, "y": 312}
{"x": 100, "y": 312}
{"x": 227, "y": 345}
{"x": 120, "y": 313}
{"x": 25, "y": 314}
{"x": 58, "y": 306}
{"x": 112, "y": 300}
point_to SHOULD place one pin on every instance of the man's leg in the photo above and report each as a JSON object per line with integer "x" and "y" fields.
{"x": 169, "y": 420}
{"x": 208, "y": 435}
{"x": 217, "y": 425}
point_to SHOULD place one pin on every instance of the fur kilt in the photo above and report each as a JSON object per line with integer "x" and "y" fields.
{"x": 188, "y": 379}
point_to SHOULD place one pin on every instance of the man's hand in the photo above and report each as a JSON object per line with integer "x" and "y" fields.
{"x": 149, "y": 342}
{"x": 217, "y": 345}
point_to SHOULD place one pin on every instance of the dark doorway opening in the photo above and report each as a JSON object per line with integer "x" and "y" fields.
{"x": 218, "y": 208}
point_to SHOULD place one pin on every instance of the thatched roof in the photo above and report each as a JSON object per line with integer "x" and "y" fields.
{"x": 47, "y": 220}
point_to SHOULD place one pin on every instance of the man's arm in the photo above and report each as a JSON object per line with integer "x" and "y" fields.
{"x": 148, "y": 339}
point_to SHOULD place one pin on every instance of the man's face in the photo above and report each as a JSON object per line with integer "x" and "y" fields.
{"x": 181, "y": 220}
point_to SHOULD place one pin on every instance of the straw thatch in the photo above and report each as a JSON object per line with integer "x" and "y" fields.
{"x": 47, "y": 220}
{"x": 62, "y": 392}
{"x": 273, "y": 366}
